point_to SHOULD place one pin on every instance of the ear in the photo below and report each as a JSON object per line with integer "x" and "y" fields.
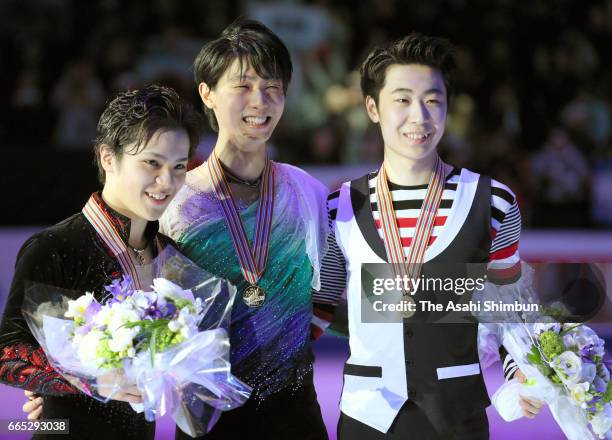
{"x": 371, "y": 109}
{"x": 206, "y": 94}
{"x": 107, "y": 158}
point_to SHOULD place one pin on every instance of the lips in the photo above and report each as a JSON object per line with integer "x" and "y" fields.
{"x": 256, "y": 121}
{"x": 417, "y": 136}
{"x": 158, "y": 198}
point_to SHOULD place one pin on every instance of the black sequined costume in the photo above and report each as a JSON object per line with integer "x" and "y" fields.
{"x": 69, "y": 255}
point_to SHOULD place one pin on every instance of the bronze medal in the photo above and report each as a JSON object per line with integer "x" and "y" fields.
{"x": 406, "y": 312}
{"x": 254, "y": 296}
{"x": 402, "y": 265}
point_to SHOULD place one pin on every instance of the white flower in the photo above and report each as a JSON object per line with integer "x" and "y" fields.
{"x": 170, "y": 290}
{"x": 580, "y": 393}
{"x": 102, "y": 318}
{"x": 121, "y": 314}
{"x": 185, "y": 323}
{"x": 76, "y": 308}
{"x": 144, "y": 299}
{"x": 174, "y": 326}
{"x": 570, "y": 365}
{"x": 121, "y": 339}
{"x": 88, "y": 346}
{"x": 602, "y": 422}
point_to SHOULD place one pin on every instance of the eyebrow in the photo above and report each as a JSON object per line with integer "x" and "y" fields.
{"x": 428, "y": 91}
{"x": 251, "y": 78}
{"x": 242, "y": 78}
{"x": 161, "y": 156}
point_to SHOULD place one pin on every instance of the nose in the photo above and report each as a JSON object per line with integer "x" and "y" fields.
{"x": 164, "y": 178}
{"x": 418, "y": 112}
{"x": 257, "y": 98}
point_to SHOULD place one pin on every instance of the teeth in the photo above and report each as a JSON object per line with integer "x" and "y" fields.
{"x": 255, "y": 120}
{"x": 157, "y": 196}
{"x": 417, "y": 136}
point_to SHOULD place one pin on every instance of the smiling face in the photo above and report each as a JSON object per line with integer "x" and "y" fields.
{"x": 411, "y": 110}
{"x": 247, "y": 107}
{"x": 142, "y": 185}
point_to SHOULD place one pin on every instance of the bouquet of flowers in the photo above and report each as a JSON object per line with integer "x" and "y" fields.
{"x": 170, "y": 341}
{"x": 564, "y": 362}
{"x": 131, "y": 322}
{"x": 572, "y": 356}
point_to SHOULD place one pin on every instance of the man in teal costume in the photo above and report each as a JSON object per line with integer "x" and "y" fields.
{"x": 262, "y": 225}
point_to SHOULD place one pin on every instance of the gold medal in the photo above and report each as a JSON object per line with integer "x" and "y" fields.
{"x": 254, "y": 296}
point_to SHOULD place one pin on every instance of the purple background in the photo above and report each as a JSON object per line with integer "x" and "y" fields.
{"x": 331, "y": 353}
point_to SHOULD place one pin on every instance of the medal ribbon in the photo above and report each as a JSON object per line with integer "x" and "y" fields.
{"x": 102, "y": 223}
{"x": 410, "y": 266}
{"x": 252, "y": 260}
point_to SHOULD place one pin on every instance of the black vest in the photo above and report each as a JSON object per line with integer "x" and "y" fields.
{"x": 428, "y": 346}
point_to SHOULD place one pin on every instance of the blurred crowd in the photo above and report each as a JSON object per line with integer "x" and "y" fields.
{"x": 532, "y": 106}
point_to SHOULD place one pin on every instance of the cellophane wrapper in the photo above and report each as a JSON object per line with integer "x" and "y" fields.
{"x": 517, "y": 331}
{"x": 190, "y": 381}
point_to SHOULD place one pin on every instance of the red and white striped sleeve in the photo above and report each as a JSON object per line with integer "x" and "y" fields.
{"x": 504, "y": 261}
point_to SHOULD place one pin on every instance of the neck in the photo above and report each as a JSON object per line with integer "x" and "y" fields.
{"x": 137, "y": 225}
{"x": 247, "y": 165}
{"x": 409, "y": 172}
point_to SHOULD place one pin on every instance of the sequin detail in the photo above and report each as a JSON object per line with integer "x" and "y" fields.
{"x": 270, "y": 347}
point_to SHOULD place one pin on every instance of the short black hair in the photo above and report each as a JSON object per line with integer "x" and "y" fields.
{"x": 244, "y": 40}
{"x": 134, "y": 116}
{"x": 414, "y": 48}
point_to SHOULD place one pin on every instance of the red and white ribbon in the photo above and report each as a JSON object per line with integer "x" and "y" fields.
{"x": 409, "y": 266}
{"x": 252, "y": 260}
{"x": 102, "y": 223}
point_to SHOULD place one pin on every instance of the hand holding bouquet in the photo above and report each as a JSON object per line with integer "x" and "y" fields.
{"x": 164, "y": 349}
{"x": 564, "y": 363}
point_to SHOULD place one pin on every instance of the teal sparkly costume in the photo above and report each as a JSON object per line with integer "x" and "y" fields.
{"x": 270, "y": 347}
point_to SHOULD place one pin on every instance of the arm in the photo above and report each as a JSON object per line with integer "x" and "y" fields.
{"x": 504, "y": 261}
{"x": 328, "y": 300}
{"x": 505, "y": 268}
{"x": 23, "y": 363}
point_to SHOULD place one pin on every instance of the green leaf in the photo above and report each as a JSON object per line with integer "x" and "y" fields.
{"x": 607, "y": 397}
{"x": 566, "y": 331}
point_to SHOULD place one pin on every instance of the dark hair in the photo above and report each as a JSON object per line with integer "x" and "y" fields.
{"x": 414, "y": 48}
{"x": 133, "y": 117}
{"x": 244, "y": 40}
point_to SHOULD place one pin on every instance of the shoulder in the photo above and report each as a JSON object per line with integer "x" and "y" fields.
{"x": 301, "y": 177}
{"x": 360, "y": 185}
{"x": 501, "y": 194}
{"x": 50, "y": 244}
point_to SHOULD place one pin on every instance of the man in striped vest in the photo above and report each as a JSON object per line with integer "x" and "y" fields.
{"x": 407, "y": 379}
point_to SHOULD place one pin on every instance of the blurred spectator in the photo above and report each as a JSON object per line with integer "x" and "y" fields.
{"x": 78, "y": 97}
{"x": 561, "y": 184}
{"x": 522, "y": 69}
